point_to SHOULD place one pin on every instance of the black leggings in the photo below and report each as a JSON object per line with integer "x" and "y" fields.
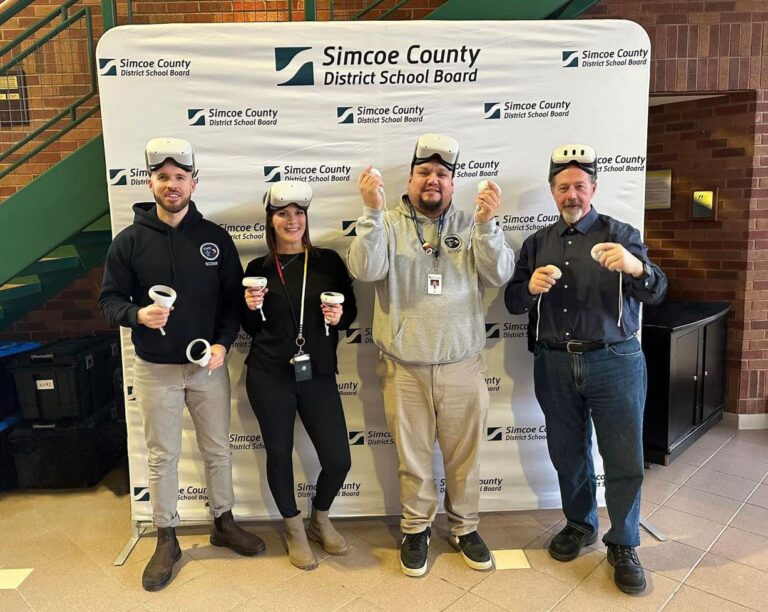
{"x": 275, "y": 400}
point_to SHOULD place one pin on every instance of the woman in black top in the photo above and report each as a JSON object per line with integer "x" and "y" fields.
{"x": 277, "y": 381}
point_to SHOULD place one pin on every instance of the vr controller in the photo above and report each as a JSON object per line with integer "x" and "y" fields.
{"x": 256, "y": 282}
{"x": 554, "y": 271}
{"x": 204, "y": 358}
{"x": 162, "y": 296}
{"x": 331, "y": 297}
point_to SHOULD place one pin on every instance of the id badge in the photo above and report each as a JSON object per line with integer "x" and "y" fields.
{"x": 302, "y": 367}
{"x": 435, "y": 284}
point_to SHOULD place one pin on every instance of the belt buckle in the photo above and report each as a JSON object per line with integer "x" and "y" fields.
{"x": 576, "y": 344}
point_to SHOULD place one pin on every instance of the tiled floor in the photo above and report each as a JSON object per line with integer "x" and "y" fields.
{"x": 712, "y": 503}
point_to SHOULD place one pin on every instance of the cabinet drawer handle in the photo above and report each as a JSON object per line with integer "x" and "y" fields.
{"x": 695, "y": 378}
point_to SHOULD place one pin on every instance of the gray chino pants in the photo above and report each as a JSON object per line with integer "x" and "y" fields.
{"x": 161, "y": 392}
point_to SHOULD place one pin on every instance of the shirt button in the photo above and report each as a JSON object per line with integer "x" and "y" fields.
{"x": 567, "y": 263}
{"x": 570, "y": 242}
{"x": 567, "y": 333}
{"x": 646, "y": 283}
{"x": 565, "y": 286}
{"x": 565, "y": 310}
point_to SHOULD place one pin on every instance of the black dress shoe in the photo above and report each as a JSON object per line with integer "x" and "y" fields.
{"x": 628, "y": 574}
{"x": 567, "y": 544}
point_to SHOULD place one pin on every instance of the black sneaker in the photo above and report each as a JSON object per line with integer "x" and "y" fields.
{"x": 413, "y": 552}
{"x": 567, "y": 544}
{"x": 628, "y": 574}
{"x": 473, "y": 550}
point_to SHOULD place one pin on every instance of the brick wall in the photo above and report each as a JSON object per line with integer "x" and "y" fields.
{"x": 708, "y": 144}
{"x": 70, "y": 313}
{"x": 705, "y": 46}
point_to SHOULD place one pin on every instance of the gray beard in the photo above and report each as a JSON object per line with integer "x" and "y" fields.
{"x": 572, "y": 215}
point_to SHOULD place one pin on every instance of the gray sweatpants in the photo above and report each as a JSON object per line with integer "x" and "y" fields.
{"x": 447, "y": 403}
{"x": 161, "y": 392}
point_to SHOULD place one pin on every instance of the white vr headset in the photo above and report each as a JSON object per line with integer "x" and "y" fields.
{"x": 284, "y": 193}
{"x": 579, "y": 155}
{"x": 444, "y": 148}
{"x": 177, "y": 150}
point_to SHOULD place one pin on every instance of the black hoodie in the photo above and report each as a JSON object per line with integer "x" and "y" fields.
{"x": 197, "y": 258}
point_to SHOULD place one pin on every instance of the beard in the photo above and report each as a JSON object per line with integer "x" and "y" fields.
{"x": 430, "y": 206}
{"x": 172, "y": 208}
{"x": 572, "y": 215}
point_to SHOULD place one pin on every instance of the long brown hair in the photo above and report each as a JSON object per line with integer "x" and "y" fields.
{"x": 272, "y": 238}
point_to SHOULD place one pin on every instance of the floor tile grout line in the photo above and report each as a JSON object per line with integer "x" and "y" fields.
{"x": 711, "y": 545}
{"x": 679, "y": 486}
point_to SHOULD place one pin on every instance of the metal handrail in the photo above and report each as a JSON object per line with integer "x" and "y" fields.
{"x": 75, "y": 110}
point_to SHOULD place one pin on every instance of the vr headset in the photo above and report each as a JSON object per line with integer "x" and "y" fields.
{"x": 283, "y": 193}
{"x": 579, "y": 155}
{"x": 430, "y": 146}
{"x": 177, "y": 150}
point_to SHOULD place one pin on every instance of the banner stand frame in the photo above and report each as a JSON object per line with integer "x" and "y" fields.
{"x": 138, "y": 529}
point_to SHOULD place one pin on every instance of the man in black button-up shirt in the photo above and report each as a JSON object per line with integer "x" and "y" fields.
{"x": 582, "y": 280}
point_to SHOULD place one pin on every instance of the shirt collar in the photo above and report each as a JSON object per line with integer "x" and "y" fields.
{"x": 582, "y": 226}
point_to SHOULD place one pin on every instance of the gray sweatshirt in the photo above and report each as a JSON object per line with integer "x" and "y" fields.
{"x": 409, "y": 324}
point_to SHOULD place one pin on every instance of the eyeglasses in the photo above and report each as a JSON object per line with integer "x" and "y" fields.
{"x": 445, "y": 148}
{"x": 284, "y": 193}
{"x": 178, "y": 150}
{"x": 580, "y": 155}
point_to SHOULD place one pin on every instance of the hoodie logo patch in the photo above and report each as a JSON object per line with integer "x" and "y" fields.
{"x": 210, "y": 252}
{"x": 452, "y": 242}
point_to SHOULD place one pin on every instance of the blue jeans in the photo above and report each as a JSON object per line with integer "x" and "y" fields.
{"x": 606, "y": 387}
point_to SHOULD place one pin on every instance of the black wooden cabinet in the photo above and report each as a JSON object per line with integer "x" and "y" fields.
{"x": 684, "y": 346}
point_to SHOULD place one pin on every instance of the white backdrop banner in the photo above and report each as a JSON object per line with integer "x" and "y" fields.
{"x": 320, "y": 101}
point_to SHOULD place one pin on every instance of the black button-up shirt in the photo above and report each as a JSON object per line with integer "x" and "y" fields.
{"x": 584, "y": 303}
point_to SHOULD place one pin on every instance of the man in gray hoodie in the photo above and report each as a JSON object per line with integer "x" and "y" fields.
{"x": 429, "y": 262}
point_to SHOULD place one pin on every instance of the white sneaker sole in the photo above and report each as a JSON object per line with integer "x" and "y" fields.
{"x": 413, "y": 572}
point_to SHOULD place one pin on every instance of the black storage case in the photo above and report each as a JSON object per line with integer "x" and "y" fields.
{"x": 7, "y": 464}
{"x": 68, "y": 378}
{"x": 9, "y": 399}
{"x": 68, "y": 455}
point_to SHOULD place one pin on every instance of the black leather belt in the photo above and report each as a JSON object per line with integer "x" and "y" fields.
{"x": 577, "y": 346}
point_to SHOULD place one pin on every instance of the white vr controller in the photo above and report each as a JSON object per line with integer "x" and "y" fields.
{"x": 331, "y": 297}
{"x": 256, "y": 282}
{"x": 204, "y": 358}
{"x": 553, "y": 271}
{"x": 162, "y": 296}
{"x": 596, "y": 252}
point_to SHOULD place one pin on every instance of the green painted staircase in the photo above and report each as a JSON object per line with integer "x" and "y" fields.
{"x": 66, "y": 206}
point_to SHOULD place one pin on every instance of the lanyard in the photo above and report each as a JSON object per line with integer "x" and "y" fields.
{"x": 428, "y": 248}
{"x": 300, "y": 325}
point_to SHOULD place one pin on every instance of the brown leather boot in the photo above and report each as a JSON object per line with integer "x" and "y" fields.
{"x": 159, "y": 570}
{"x": 322, "y": 531}
{"x": 225, "y": 532}
{"x": 299, "y": 552}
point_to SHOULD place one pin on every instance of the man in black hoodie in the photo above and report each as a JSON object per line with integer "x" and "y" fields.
{"x": 169, "y": 243}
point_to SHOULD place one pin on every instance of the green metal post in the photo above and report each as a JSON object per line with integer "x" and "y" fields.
{"x": 310, "y": 10}
{"x": 109, "y": 13}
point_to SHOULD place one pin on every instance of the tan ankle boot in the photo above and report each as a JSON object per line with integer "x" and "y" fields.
{"x": 321, "y": 530}
{"x": 299, "y": 552}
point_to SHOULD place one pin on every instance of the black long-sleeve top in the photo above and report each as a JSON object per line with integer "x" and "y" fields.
{"x": 274, "y": 340}
{"x": 584, "y": 303}
{"x": 198, "y": 259}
